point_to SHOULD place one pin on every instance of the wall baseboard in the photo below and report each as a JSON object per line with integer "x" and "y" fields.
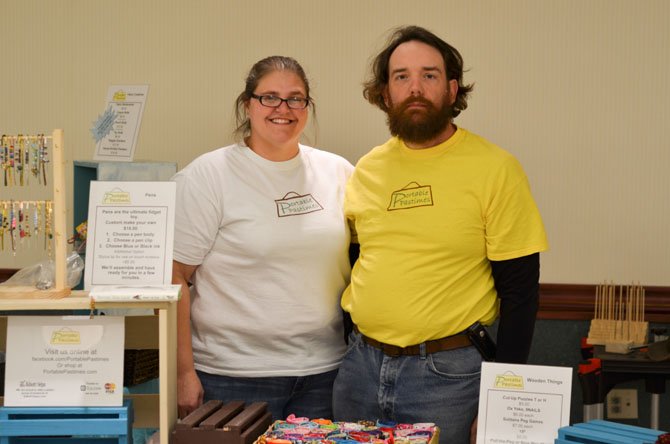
{"x": 563, "y": 301}
{"x": 576, "y": 302}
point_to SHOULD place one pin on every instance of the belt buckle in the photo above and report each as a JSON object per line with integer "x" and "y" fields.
{"x": 391, "y": 350}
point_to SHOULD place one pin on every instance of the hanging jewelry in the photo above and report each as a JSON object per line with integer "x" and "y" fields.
{"x": 3, "y": 225}
{"x": 10, "y": 167}
{"x": 43, "y": 157}
{"x": 22, "y": 232}
{"x": 48, "y": 234}
{"x": 4, "y": 152}
{"x": 25, "y": 224}
{"x": 36, "y": 218}
{"x": 12, "y": 225}
{"x": 34, "y": 157}
{"x": 5, "y": 158}
{"x": 26, "y": 159}
{"x": 19, "y": 158}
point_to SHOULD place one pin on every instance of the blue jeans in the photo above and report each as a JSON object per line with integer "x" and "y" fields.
{"x": 309, "y": 396}
{"x": 442, "y": 388}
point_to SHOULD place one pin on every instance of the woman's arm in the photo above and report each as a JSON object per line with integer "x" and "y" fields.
{"x": 189, "y": 388}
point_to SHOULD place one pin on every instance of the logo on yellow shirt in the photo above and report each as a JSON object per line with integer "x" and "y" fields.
{"x": 411, "y": 195}
{"x": 296, "y": 204}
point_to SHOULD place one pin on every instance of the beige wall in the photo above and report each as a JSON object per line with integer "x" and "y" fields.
{"x": 578, "y": 90}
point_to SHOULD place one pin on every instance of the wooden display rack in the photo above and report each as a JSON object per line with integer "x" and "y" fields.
{"x": 618, "y": 321}
{"x": 141, "y": 332}
{"x": 60, "y": 288}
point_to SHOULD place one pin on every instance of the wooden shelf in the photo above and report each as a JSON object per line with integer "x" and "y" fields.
{"x": 142, "y": 332}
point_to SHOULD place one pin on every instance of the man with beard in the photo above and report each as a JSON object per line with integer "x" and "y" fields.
{"x": 449, "y": 240}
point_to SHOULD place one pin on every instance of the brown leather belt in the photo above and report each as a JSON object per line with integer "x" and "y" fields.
{"x": 437, "y": 345}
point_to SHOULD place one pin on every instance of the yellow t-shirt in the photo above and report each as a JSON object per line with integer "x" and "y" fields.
{"x": 428, "y": 222}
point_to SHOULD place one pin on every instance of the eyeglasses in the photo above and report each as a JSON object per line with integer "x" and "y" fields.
{"x": 275, "y": 102}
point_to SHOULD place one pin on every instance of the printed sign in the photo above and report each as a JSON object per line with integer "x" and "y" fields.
{"x": 116, "y": 130}
{"x": 523, "y": 404}
{"x": 130, "y": 234}
{"x": 64, "y": 361}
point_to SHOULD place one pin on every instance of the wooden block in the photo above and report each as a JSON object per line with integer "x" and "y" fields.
{"x": 25, "y": 292}
{"x": 620, "y": 347}
{"x": 223, "y": 415}
{"x": 257, "y": 428}
{"x": 218, "y": 423}
{"x": 197, "y": 416}
{"x": 244, "y": 419}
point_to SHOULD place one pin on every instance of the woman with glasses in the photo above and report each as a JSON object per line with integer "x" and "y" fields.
{"x": 261, "y": 252}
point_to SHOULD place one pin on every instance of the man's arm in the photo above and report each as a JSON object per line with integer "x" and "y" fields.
{"x": 354, "y": 251}
{"x": 517, "y": 284}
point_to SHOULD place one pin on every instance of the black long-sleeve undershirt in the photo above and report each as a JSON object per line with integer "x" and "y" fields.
{"x": 517, "y": 285}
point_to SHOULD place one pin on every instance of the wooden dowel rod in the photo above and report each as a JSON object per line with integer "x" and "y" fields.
{"x": 59, "y": 210}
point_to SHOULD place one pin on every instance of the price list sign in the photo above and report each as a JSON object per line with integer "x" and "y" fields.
{"x": 124, "y": 113}
{"x": 523, "y": 404}
{"x": 130, "y": 233}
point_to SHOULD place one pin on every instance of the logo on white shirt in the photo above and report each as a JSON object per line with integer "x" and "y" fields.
{"x": 294, "y": 204}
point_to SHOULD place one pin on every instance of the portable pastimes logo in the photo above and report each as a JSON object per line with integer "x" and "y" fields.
{"x": 116, "y": 196}
{"x": 509, "y": 380}
{"x": 411, "y": 195}
{"x": 65, "y": 336}
{"x": 294, "y": 204}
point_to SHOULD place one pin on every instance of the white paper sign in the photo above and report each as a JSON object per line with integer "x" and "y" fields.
{"x": 107, "y": 293}
{"x": 64, "y": 361}
{"x": 130, "y": 233}
{"x": 126, "y": 104}
{"x": 522, "y": 404}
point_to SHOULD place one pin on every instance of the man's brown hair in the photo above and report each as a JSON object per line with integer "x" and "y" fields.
{"x": 375, "y": 87}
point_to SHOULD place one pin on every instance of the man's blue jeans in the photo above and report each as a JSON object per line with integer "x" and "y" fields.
{"x": 309, "y": 396}
{"x": 442, "y": 388}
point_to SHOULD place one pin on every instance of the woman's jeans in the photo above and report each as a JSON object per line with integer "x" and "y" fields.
{"x": 309, "y": 396}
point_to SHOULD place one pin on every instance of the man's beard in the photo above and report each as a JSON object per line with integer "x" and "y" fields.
{"x": 418, "y": 125}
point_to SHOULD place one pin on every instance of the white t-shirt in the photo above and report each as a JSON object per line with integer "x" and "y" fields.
{"x": 271, "y": 243}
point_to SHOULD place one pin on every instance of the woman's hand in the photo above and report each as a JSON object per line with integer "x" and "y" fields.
{"x": 189, "y": 387}
{"x": 189, "y": 393}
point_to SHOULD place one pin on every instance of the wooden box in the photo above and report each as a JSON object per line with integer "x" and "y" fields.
{"x": 217, "y": 423}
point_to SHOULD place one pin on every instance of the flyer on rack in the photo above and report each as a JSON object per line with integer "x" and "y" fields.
{"x": 522, "y": 404}
{"x": 130, "y": 234}
{"x": 125, "y": 105}
{"x": 64, "y": 361}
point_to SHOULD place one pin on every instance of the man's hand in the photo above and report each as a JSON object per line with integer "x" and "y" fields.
{"x": 473, "y": 432}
